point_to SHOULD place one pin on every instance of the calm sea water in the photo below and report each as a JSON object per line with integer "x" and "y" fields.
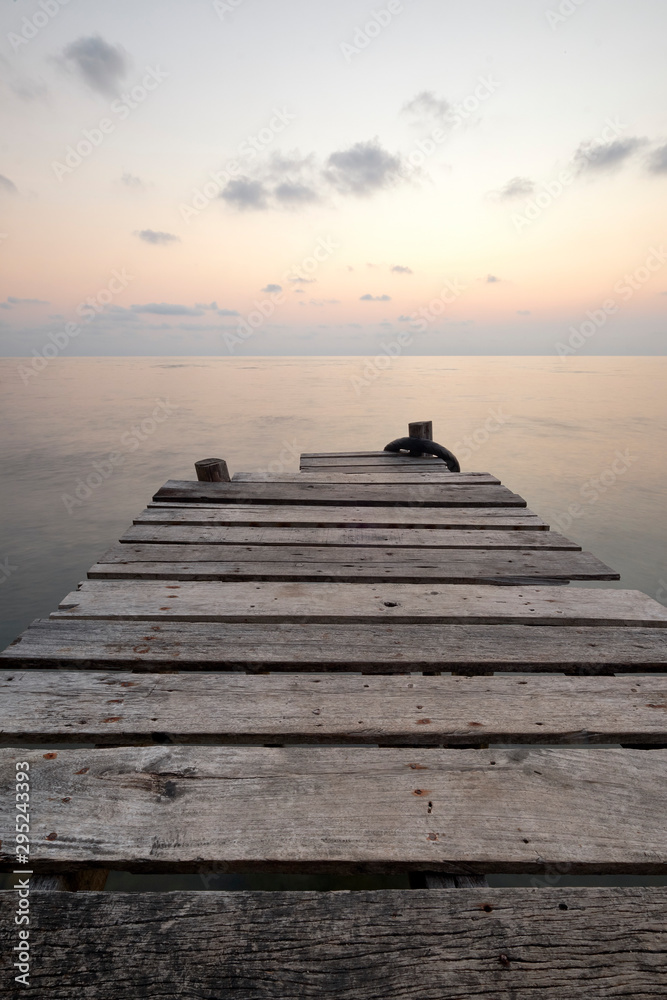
{"x": 583, "y": 439}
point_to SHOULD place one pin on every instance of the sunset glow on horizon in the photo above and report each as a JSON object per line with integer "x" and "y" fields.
{"x": 476, "y": 178}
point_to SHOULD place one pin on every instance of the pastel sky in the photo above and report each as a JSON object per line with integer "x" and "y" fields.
{"x": 271, "y": 177}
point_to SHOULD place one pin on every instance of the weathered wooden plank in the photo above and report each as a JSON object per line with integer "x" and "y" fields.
{"x": 258, "y": 562}
{"x": 504, "y": 944}
{"x": 388, "y": 457}
{"x": 245, "y": 601}
{"x": 392, "y": 647}
{"x": 364, "y": 454}
{"x": 334, "y": 495}
{"x": 159, "y": 551}
{"x": 386, "y": 478}
{"x": 383, "y": 460}
{"x": 36, "y": 706}
{"x": 423, "y": 540}
{"x": 363, "y": 517}
{"x": 369, "y": 469}
{"x": 342, "y": 810}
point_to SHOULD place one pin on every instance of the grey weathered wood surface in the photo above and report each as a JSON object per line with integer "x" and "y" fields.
{"x": 336, "y": 495}
{"x": 370, "y": 467}
{"x": 352, "y": 539}
{"x": 438, "y": 880}
{"x": 383, "y": 647}
{"x": 212, "y": 470}
{"x": 264, "y": 515}
{"x": 367, "y": 457}
{"x": 342, "y": 810}
{"x": 358, "y": 602}
{"x": 372, "y": 462}
{"x": 206, "y": 562}
{"x": 38, "y": 706}
{"x": 504, "y": 944}
{"x": 378, "y": 478}
{"x": 421, "y": 429}
{"x": 394, "y": 456}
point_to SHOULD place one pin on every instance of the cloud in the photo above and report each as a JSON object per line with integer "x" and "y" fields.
{"x": 132, "y": 181}
{"x": 427, "y": 107}
{"x": 289, "y": 193}
{"x": 100, "y": 65}
{"x": 244, "y": 193}
{"x": 362, "y": 169}
{"x": 292, "y": 180}
{"x": 117, "y": 314}
{"x": 404, "y": 319}
{"x": 517, "y": 187}
{"x": 272, "y": 288}
{"x": 323, "y": 302}
{"x": 591, "y": 156}
{"x": 374, "y": 298}
{"x": 399, "y": 269}
{"x": 7, "y": 185}
{"x": 491, "y": 279}
{"x": 303, "y": 281}
{"x": 26, "y": 302}
{"x": 30, "y": 90}
{"x": 214, "y": 307}
{"x": 523, "y": 312}
{"x": 295, "y": 181}
{"x": 657, "y": 161}
{"x": 156, "y": 238}
{"x": 167, "y": 309}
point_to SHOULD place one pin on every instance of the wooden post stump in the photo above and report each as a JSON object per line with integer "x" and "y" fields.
{"x": 212, "y": 470}
{"x": 422, "y": 429}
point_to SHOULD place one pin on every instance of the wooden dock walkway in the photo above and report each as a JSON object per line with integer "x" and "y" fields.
{"x": 370, "y": 666}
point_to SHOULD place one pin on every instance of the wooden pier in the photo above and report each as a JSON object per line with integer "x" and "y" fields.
{"x": 370, "y": 666}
